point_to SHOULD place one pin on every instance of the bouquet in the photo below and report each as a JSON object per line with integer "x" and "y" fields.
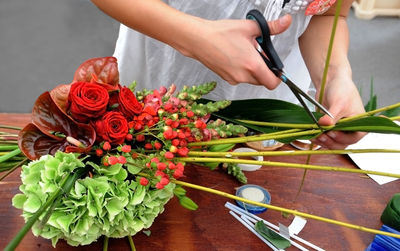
{"x": 121, "y": 148}
{"x": 106, "y": 158}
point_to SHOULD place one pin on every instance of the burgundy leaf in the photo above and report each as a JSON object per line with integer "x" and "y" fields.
{"x": 101, "y": 70}
{"x": 60, "y": 96}
{"x": 48, "y": 119}
{"x": 34, "y": 144}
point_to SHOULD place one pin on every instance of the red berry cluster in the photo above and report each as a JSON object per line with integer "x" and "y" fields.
{"x": 156, "y": 136}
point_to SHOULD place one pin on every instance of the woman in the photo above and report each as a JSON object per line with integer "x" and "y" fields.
{"x": 195, "y": 41}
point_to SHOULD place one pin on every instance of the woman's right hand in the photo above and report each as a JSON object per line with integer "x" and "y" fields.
{"x": 227, "y": 47}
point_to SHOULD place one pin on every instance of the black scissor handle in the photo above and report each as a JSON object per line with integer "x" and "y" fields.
{"x": 265, "y": 40}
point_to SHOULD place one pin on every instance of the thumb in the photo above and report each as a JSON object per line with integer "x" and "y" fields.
{"x": 326, "y": 120}
{"x": 280, "y": 25}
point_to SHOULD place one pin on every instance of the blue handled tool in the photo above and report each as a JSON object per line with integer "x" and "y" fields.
{"x": 274, "y": 63}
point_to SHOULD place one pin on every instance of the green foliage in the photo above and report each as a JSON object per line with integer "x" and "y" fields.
{"x": 278, "y": 111}
{"x": 185, "y": 201}
{"x": 276, "y": 240}
{"x": 234, "y": 170}
{"x": 373, "y": 103}
{"x": 104, "y": 204}
{"x": 226, "y": 130}
{"x": 201, "y": 109}
{"x": 195, "y": 92}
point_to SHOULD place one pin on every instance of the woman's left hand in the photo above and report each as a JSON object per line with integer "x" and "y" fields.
{"x": 342, "y": 100}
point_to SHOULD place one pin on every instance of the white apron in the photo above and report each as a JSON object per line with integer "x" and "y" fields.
{"x": 152, "y": 63}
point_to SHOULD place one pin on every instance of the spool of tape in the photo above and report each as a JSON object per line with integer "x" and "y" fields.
{"x": 248, "y": 167}
{"x": 254, "y": 193}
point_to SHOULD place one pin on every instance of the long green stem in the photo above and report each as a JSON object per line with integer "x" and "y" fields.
{"x": 289, "y": 152}
{"x": 13, "y": 169}
{"x": 8, "y": 141}
{"x": 10, "y": 127}
{"x": 9, "y": 155}
{"x": 8, "y": 147}
{"x": 131, "y": 244}
{"x": 285, "y": 210}
{"x": 5, "y": 134}
{"x": 314, "y": 126}
{"x": 260, "y": 137}
{"x": 329, "y": 53}
{"x": 303, "y": 178}
{"x": 284, "y": 125}
{"x": 365, "y": 114}
{"x": 4, "y": 166}
{"x": 65, "y": 185}
{"x": 288, "y": 165}
{"x": 105, "y": 243}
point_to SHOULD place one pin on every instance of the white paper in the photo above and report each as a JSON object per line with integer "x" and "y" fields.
{"x": 383, "y": 162}
{"x": 297, "y": 225}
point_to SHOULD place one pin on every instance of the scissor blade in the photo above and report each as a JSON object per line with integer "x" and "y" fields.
{"x": 304, "y": 106}
{"x": 296, "y": 89}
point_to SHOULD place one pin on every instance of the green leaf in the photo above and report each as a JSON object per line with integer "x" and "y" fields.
{"x": 179, "y": 191}
{"x": 371, "y": 105}
{"x": 32, "y": 204}
{"x": 271, "y": 110}
{"x": 133, "y": 169}
{"x": 276, "y": 240}
{"x": 211, "y": 165}
{"x": 114, "y": 207}
{"x": 369, "y": 124}
{"x": 188, "y": 203}
{"x": 147, "y": 232}
{"x": 82, "y": 227}
{"x": 121, "y": 176}
{"x": 138, "y": 196}
{"x": 167, "y": 192}
{"x": 18, "y": 200}
{"x": 221, "y": 147}
{"x": 392, "y": 112}
{"x": 64, "y": 221}
{"x": 137, "y": 225}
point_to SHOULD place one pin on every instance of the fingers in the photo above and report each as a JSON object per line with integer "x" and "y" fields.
{"x": 280, "y": 25}
{"x": 275, "y": 26}
{"x": 264, "y": 76}
{"x": 337, "y": 139}
{"x": 326, "y": 120}
{"x": 260, "y": 73}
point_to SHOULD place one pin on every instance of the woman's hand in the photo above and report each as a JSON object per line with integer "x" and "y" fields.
{"x": 342, "y": 100}
{"x": 228, "y": 48}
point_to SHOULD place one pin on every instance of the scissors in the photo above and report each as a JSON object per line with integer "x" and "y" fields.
{"x": 274, "y": 63}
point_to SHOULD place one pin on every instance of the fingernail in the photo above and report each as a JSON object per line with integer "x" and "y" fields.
{"x": 332, "y": 134}
{"x": 322, "y": 138}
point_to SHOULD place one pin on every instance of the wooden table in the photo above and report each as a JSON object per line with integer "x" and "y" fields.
{"x": 351, "y": 198}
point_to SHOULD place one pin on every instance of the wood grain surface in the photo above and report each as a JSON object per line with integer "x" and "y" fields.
{"x": 352, "y": 198}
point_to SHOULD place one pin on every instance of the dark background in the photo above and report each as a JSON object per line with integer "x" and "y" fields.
{"x": 42, "y": 42}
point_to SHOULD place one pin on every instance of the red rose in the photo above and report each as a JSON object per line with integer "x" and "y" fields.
{"x": 87, "y": 101}
{"x": 112, "y": 127}
{"x": 128, "y": 104}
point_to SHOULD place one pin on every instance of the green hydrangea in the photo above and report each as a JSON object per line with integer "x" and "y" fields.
{"x": 105, "y": 204}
